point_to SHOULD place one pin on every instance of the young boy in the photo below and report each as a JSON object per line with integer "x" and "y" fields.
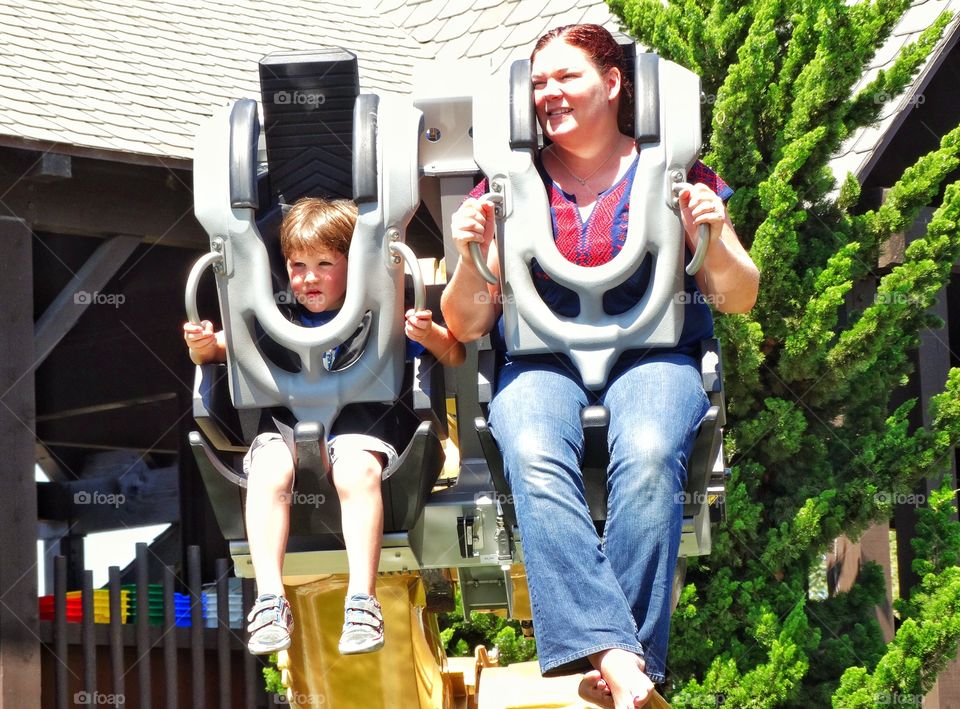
{"x": 315, "y": 239}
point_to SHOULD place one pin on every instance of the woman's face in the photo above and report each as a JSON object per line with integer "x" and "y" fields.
{"x": 572, "y": 98}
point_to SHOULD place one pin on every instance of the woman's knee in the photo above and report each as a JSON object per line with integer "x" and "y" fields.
{"x": 655, "y": 452}
{"x": 538, "y": 455}
{"x": 650, "y": 466}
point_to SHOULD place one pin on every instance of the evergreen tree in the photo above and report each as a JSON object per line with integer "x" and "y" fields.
{"x": 817, "y": 451}
{"x": 461, "y": 635}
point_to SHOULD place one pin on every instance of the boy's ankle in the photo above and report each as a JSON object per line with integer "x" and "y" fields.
{"x": 271, "y": 590}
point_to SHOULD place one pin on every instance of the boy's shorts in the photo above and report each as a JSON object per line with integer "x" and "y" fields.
{"x": 336, "y": 446}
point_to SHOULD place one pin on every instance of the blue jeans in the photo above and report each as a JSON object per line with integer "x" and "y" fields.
{"x": 589, "y": 594}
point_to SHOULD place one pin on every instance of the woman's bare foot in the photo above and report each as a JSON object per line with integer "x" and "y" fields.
{"x": 593, "y": 688}
{"x": 625, "y": 684}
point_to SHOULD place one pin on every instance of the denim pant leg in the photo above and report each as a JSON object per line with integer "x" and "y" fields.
{"x": 655, "y": 407}
{"x": 578, "y": 606}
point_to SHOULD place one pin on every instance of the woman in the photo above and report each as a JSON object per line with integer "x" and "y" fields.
{"x": 604, "y": 605}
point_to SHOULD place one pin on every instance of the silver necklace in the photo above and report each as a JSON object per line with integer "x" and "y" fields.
{"x": 583, "y": 180}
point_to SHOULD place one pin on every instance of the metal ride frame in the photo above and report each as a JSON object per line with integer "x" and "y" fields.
{"x": 469, "y": 526}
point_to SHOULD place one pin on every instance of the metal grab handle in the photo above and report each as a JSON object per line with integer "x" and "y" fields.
{"x": 478, "y": 261}
{"x": 703, "y": 234}
{"x": 398, "y": 248}
{"x": 193, "y": 281}
{"x": 700, "y": 255}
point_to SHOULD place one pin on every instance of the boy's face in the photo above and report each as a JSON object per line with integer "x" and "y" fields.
{"x": 318, "y": 278}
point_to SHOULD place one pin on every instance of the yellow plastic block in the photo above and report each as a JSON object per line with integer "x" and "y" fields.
{"x": 101, "y": 604}
{"x": 406, "y": 673}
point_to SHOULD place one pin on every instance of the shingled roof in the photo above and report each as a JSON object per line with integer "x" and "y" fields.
{"x": 133, "y": 78}
{"x": 861, "y": 151}
{"x": 498, "y": 30}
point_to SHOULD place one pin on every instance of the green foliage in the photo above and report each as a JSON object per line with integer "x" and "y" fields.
{"x": 460, "y": 636}
{"x": 816, "y": 449}
{"x": 766, "y": 685}
{"x": 513, "y": 647}
{"x": 272, "y": 677}
{"x": 923, "y": 646}
{"x": 937, "y": 544}
{"x": 849, "y": 635}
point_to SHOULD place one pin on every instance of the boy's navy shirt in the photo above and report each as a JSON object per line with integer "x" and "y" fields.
{"x": 393, "y": 423}
{"x": 347, "y": 353}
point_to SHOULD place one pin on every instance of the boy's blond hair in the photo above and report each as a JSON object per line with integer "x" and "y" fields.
{"x": 315, "y": 223}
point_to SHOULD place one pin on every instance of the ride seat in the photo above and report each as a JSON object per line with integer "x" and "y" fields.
{"x": 667, "y": 133}
{"x": 251, "y": 281}
{"x": 703, "y": 496}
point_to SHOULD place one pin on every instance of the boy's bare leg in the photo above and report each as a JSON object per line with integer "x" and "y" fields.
{"x": 268, "y": 513}
{"x": 356, "y": 475}
{"x": 618, "y": 682}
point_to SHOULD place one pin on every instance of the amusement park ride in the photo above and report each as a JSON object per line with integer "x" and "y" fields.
{"x": 314, "y": 133}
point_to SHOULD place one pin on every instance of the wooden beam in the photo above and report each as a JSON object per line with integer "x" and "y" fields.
{"x": 875, "y": 547}
{"x": 105, "y": 407}
{"x": 19, "y": 644}
{"x": 83, "y": 289}
{"x": 149, "y": 427}
{"x": 932, "y": 366}
{"x": 120, "y": 156}
{"x": 156, "y": 204}
{"x": 48, "y": 463}
{"x": 946, "y": 692}
{"x": 50, "y": 167}
{"x": 128, "y": 499}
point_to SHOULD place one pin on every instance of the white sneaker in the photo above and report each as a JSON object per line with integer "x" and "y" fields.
{"x": 362, "y": 625}
{"x": 271, "y": 622}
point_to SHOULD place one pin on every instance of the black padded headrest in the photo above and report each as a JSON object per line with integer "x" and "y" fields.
{"x": 307, "y": 100}
{"x": 244, "y": 136}
{"x": 646, "y": 98}
{"x": 365, "y": 148}
{"x": 268, "y": 224}
{"x": 523, "y": 116}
